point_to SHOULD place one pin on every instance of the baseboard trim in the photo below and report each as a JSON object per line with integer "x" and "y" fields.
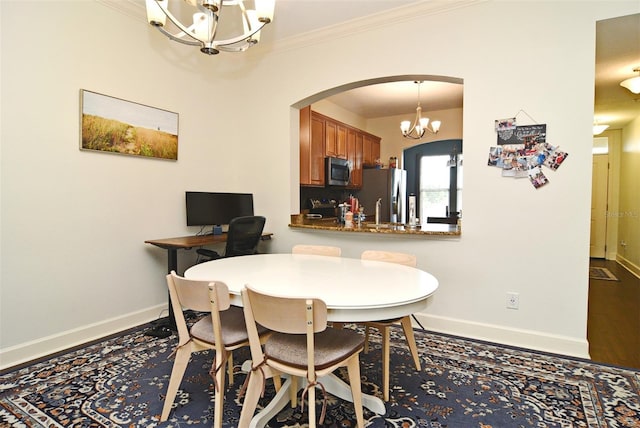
{"x": 628, "y": 265}
{"x": 35, "y": 349}
{"x": 528, "y": 339}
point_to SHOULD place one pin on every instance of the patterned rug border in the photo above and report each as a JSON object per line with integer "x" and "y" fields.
{"x": 126, "y": 376}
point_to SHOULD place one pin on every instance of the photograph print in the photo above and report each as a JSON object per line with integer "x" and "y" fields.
{"x": 114, "y": 125}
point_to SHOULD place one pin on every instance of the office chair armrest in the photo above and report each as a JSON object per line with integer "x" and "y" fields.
{"x": 208, "y": 253}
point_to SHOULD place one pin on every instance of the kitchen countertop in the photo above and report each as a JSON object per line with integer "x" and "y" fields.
{"x": 330, "y": 224}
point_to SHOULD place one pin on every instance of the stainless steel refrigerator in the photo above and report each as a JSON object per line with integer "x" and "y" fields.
{"x": 389, "y": 185}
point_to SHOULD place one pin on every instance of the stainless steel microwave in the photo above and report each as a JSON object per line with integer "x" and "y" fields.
{"x": 338, "y": 172}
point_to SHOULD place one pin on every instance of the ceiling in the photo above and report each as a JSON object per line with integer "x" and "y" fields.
{"x": 617, "y": 53}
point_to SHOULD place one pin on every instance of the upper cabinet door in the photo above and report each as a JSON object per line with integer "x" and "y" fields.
{"x": 331, "y": 138}
{"x": 335, "y": 139}
{"x": 354, "y": 156}
{"x": 341, "y": 141}
{"x": 311, "y": 149}
{"x": 371, "y": 150}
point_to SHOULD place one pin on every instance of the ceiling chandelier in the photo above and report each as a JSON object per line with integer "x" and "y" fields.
{"x": 202, "y": 32}
{"x": 420, "y": 124}
{"x": 633, "y": 83}
{"x": 599, "y": 129}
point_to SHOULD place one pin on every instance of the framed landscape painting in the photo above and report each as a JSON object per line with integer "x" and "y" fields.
{"x": 114, "y": 125}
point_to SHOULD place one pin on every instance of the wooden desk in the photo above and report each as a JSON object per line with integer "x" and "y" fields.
{"x": 354, "y": 290}
{"x": 172, "y": 245}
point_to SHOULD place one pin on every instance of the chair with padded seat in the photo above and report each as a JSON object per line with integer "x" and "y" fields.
{"x": 318, "y": 250}
{"x": 300, "y": 345}
{"x": 243, "y": 237}
{"x": 222, "y": 330}
{"x": 384, "y": 325}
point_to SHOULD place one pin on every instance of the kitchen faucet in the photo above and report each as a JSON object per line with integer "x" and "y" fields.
{"x": 378, "y": 205}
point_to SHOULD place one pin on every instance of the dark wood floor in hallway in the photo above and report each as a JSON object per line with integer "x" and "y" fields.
{"x": 613, "y": 323}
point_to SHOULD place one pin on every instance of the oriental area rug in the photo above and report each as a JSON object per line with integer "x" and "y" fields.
{"x": 121, "y": 382}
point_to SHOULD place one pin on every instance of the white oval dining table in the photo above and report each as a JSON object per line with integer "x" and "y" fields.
{"x": 354, "y": 290}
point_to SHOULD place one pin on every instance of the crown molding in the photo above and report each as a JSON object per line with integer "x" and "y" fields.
{"x": 371, "y": 22}
{"x": 135, "y": 9}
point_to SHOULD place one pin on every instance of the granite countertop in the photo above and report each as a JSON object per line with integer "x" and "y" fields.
{"x": 330, "y": 224}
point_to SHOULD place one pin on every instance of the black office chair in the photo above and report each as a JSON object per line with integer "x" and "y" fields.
{"x": 242, "y": 238}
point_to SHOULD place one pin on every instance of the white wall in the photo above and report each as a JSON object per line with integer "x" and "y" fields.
{"x": 74, "y": 264}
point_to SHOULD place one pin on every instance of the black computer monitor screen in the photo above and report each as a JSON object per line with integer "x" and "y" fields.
{"x": 210, "y": 208}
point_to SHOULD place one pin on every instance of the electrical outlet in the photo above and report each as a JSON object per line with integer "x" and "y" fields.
{"x": 513, "y": 300}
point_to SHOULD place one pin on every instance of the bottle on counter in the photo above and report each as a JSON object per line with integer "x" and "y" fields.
{"x": 348, "y": 219}
{"x": 360, "y": 216}
{"x": 412, "y": 211}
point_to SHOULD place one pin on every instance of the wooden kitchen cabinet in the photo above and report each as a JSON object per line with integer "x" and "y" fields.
{"x": 312, "y": 150}
{"x": 335, "y": 137}
{"x": 371, "y": 150}
{"x": 354, "y": 155}
{"x": 341, "y": 143}
{"x": 322, "y": 136}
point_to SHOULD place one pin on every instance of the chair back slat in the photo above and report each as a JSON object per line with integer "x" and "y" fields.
{"x": 286, "y": 315}
{"x": 318, "y": 250}
{"x": 390, "y": 257}
{"x": 310, "y": 324}
{"x": 194, "y": 295}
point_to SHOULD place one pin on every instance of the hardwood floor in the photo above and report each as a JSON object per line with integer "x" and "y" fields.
{"x": 613, "y": 321}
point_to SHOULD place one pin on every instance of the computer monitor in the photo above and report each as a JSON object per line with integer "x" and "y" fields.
{"x": 214, "y": 208}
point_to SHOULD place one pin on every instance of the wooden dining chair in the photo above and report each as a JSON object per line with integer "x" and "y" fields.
{"x": 384, "y": 325}
{"x": 318, "y": 250}
{"x": 302, "y": 346}
{"x": 222, "y": 330}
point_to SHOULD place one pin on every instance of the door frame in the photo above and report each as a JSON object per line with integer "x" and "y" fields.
{"x": 613, "y": 194}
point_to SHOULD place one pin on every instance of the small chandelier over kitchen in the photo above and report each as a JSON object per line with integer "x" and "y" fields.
{"x": 633, "y": 83}
{"x": 202, "y": 32}
{"x": 420, "y": 124}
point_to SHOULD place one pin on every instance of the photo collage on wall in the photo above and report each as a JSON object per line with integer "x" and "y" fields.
{"x": 522, "y": 151}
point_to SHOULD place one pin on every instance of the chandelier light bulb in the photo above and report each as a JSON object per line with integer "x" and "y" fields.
{"x": 200, "y": 26}
{"x": 155, "y": 16}
{"x": 264, "y": 10}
